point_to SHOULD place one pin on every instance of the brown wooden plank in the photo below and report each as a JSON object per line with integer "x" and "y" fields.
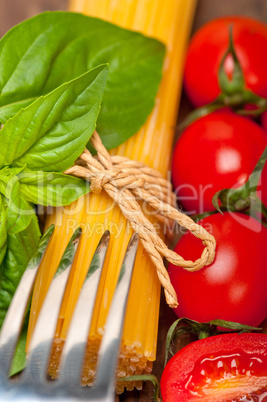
{"x": 209, "y": 9}
{"x": 14, "y": 11}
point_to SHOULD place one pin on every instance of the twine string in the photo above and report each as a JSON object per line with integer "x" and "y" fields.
{"x": 126, "y": 181}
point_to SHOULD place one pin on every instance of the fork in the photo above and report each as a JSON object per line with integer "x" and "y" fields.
{"x": 33, "y": 384}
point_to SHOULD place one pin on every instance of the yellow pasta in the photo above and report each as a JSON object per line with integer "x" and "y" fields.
{"x": 170, "y": 22}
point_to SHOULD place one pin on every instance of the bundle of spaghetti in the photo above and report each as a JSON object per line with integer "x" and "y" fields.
{"x": 170, "y": 22}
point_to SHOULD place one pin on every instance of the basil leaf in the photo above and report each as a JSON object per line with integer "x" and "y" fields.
{"x": 3, "y": 230}
{"x": 19, "y": 360}
{"x": 45, "y": 51}
{"x": 19, "y": 211}
{"x": 19, "y": 214}
{"x": 7, "y": 174}
{"x": 53, "y": 131}
{"x": 69, "y": 253}
{"x": 20, "y": 248}
{"x": 53, "y": 189}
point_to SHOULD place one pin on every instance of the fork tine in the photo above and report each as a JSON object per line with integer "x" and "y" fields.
{"x": 41, "y": 342}
{"x": 74, "y": 349}
{"x": 109, "y": 348}
{"x": 12, "y": 325}
{"x": 33, "y": 384}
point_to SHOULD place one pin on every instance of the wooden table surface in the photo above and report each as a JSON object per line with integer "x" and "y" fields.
{"x": 14, "y": 11}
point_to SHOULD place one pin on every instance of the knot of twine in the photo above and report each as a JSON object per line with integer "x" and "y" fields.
{"x": 125, "y": 181}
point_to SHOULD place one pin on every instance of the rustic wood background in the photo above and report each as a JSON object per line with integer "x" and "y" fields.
{"x": 15, "y": 11}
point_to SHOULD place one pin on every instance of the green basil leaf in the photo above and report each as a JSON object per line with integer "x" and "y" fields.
{"x": 8, "y": 111}
{"x": 45, "y": 51}
{"x": 53, "y": 131}
{"x": 69, "y": 253}
{"x": 3, "y": 229}
{"x": 2, "y": 187}
{"x": 7, "y": 174}
{"x": 19, "y": 211}
{"x": 55, "y": 189}
{"x": 19, "y": 214}
{"x": 20, "y": 248}
{"x": 19, "y": 360}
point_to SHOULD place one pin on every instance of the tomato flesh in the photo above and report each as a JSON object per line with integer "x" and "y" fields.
{"x": 230, "y": 367}
{"x": 225, "y": 370}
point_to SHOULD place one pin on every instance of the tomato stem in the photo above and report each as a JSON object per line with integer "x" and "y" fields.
{"x": 244, "y": 198}
{"x": 235, "y": 85}
{"x": 203, "y": 335}
{"x": 233, "y": 92}
{"x": 200, "y": 330}
{"x": 200, "y": 112}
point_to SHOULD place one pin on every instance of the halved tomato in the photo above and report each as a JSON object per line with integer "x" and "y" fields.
{"x": 222, "y": 368}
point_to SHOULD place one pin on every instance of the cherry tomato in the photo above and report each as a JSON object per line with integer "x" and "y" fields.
{"x": 207, "y": 48}
{"x": 229, "y": 367}
{"x": 264, "y": 120}
{"x": 217, "y": 151}
{"x": 234, "y": 286}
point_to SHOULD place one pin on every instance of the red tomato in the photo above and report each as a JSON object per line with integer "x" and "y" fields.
{"x": 264, "y": 120}
{"x": 234, "y": 286}
{"x": 217, "y": 151}
{"x": 230, "y": 367}
{"x": 207, "y": 48}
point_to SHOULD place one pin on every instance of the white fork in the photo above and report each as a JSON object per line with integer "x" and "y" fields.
{"x": 32, "y": 384}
